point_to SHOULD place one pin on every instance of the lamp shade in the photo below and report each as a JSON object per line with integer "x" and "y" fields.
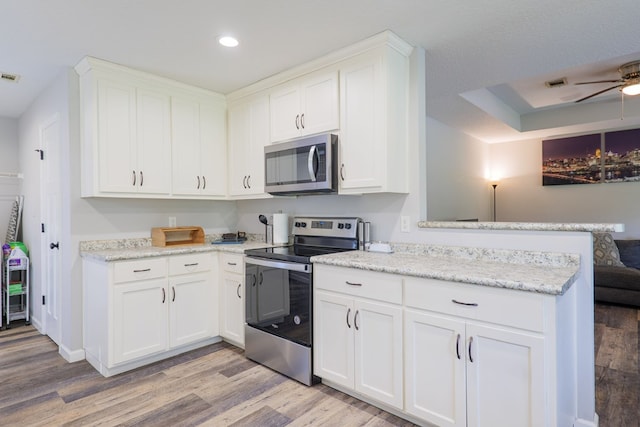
{"x": 632, "y": 89}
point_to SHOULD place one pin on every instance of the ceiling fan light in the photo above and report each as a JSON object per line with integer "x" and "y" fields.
{"x": 632, "y": 89}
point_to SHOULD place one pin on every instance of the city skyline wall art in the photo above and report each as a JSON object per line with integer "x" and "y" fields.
{"x": 592, "y": 159}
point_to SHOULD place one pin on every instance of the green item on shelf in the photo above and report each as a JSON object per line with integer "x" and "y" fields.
{"x": 15, "y": 288}
{"x": 20, "y": 246}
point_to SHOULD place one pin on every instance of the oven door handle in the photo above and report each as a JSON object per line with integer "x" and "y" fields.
{"x": 284, "y": 265}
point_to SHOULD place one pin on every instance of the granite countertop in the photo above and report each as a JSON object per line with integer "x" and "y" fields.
{"x": 126, "y": 249}
{"x": 541, "y": 272}
{"x": 524, "y": 226}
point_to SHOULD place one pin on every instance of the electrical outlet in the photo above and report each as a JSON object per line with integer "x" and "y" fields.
{"x": 172, "y": 221}
{"x": 404, "y": 224}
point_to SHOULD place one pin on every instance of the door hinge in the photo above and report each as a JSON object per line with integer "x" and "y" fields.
{"x": 41, "y": 154}
{"x": 42, "y": 227}
{"x": 43, "y": 303}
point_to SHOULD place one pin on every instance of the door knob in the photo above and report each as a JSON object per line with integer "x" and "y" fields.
{"x": 55, "y": 245}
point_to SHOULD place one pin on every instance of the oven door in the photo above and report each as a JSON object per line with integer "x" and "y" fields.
{"x": 279, "y": 298}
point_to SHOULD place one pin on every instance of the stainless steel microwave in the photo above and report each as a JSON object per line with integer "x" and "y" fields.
{"x": 303, "y": 166}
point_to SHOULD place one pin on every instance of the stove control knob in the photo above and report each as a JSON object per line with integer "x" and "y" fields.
{"x": 297, "y": 224}
{"x": 303, "y": 224}
{"x": 347, "y": 226}
{"x": 340, "y": 225}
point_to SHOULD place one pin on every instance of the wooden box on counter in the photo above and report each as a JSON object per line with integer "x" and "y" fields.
{"x": 177, "y": 236}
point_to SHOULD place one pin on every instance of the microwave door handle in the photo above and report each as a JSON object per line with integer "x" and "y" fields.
{"x": 312, "y": 172}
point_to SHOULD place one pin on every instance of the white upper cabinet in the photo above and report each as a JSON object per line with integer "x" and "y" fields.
{"x": 248, "y": 134}
{"x": 134, "y": 125}
{"x": 374, "y": 109}
{"x": 305, "y": 107}
{"x": 198, "y": 135}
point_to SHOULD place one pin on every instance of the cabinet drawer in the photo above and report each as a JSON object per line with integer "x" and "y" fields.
{"x": 502, "y": 306}
{"x": 233, "y": 263}
{"x": 140, "y": 269}
{"x": 192, "y": 263}
{"x": 362, "y": 283}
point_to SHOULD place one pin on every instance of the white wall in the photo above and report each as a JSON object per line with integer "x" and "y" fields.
{"x": 9, "y": 163}
{"x": 520, "y": 195}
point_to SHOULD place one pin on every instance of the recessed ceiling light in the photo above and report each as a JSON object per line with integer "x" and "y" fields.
{"x": 228, "y": 41}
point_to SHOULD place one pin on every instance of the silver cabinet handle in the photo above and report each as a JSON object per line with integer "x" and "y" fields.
{"x": 348, "y": 312}
{"x": 142, "y": 271}
{"x": 134, "y": 178}
{"x": 468, "y": 304}
{"x": 352, "y": 283}
{"x": 204, "y": 182}
{"x": 470, "y": 356}
{"x": 458, "y": 346}
{"x": 244, "y": 181}
{"x": 141, "y": 179}
{"x": 297, "y": 121}
{"x": 355, "y": 320}
{"x": 191, "y": 265}
{"x": 342, "y": 172}
{"x": 238, "y": 290}
{"x": 164, "y": 295}
{"x": 248, "y": 181}
{"x": 232, "y": 263}
{"x": 302, "y": 121}
{"x": 173, "y": 291}
{"x": 198, "y": 176}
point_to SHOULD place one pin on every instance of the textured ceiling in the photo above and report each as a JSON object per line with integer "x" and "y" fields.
{"x": 486, "y": 60}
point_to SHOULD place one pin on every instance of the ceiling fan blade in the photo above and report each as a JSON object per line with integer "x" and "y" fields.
{"x": 597, "y": 93}
{"x": 599, "y": 81}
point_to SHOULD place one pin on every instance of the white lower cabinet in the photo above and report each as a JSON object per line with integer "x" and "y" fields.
{"x": 232, "y": 298}
{"x": 137, "y": 312}
{"x": 437, "y": 352}
{"x": 358, "y": 341}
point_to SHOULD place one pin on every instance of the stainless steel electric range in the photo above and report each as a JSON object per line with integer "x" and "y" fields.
{"x": 279, "y": 294}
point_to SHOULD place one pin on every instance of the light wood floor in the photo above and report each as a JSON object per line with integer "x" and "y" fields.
{"x": 212, "y": 386}
{"x": 217, "y": 386}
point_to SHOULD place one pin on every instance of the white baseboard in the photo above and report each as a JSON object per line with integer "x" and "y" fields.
{"x": 71, "y": 355}
{"x": 586, "y": 423}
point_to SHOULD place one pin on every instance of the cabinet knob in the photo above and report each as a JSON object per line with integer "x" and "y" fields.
{"x": 55, "y": 245}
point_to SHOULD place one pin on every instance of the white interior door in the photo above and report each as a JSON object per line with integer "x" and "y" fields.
{"x": 51, "y": 208}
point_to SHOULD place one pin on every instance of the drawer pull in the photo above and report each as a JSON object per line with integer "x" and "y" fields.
{"x": 193, "y": 264}
{"x": 470, "y": 356}
{"x": 353, "y": 284}
{"x": 468, "y": 304}
{"x": 142, "y": 271}
{"x": 232, "y": 263}
{"x": 458, "y": 346}
{"x": 348, "y": 312}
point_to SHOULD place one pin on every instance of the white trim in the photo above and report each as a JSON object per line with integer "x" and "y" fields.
{"x": 71, "y": 355}
{"x": 17, "y": 175}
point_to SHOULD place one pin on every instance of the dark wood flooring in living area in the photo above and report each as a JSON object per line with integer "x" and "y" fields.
{"x": 217, "y": 386}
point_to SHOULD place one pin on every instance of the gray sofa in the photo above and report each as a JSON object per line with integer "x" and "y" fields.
{"x": 616, "y": 270}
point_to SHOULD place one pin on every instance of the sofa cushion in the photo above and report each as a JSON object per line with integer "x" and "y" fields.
{"x": 605, "y": 251}
{"x": 608, "y": 276}
{"x": 629, "y": 252}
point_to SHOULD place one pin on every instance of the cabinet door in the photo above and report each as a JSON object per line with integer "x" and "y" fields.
{"x": 378, "y": 351}
{"x": 116, "y": 137}
{"x": 213, "y": 150}
{"x": 232, "y": 310}
{"x": 505, "y": 377}
{"x": 153, "y": 142}
{"x": 362, "y": 125}
{"x": 190, "y": 315}
{"x": 185, "y": 141}
{"x": 140, "y": 320}
{"x": 319, "y": 104}
{"x": 435, "y": 388}
{"x": 285, "y": 113}
{"x": 248, "y": 134}
{"x": 333, "y": 341}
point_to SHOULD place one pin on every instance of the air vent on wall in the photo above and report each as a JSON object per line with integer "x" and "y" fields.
{"x": 9, "y": 77}
{"x": 556, "y": 83}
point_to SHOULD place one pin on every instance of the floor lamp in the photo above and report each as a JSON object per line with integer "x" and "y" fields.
{"x": 494, "y": 185}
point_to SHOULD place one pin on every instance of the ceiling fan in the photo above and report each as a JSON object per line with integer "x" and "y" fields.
{"x": 629, "y": 81}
